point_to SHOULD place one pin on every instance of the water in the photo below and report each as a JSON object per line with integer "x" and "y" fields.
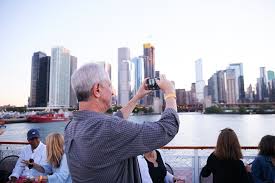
{"x": 195, "y": 129}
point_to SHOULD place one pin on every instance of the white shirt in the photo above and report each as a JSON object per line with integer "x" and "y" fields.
{"x": 144, "y": 170}
{"x": 39, "y": 157}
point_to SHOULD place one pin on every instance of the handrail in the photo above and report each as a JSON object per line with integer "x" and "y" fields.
{"x": 12, "y": 142}
{"x": 164, "y": 147}
{"x": 201, "y": 147}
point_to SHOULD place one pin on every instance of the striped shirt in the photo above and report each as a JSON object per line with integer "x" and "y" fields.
{"x": 102, "y": 148}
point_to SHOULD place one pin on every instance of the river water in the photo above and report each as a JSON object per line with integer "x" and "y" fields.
{"x": 196, "y": 129}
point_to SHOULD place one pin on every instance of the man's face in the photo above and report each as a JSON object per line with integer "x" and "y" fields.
{"x": 107, "y": 93}
{"x": 34, "y": 142}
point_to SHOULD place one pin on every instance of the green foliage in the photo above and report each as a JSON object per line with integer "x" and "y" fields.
{"x": 213, "y": 110}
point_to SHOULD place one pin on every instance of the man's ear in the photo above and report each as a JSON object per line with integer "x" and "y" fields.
{"x": 95, "y": 91}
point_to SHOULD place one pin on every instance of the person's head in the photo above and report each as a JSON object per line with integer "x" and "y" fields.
{"x": 267, "y": 146}
{"x": 91, "y": 83}
{"x": 55, "y": 151}
{"x": 33, "y": 138}
{"x": 228, "y": 146}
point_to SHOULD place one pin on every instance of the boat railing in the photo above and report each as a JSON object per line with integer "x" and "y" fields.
{"x": 186, "y": 161}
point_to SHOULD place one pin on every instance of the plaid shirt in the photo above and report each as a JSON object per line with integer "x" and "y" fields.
{"x": 102, "y": 148}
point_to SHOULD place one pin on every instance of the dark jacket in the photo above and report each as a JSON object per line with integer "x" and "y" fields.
{"x": 263, "y": 170}
{"x": 225, "y": 171}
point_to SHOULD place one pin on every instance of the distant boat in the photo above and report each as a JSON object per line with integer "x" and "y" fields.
{"x": 48, "y": 117}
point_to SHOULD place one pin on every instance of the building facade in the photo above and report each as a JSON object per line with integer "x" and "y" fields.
{"x": 60, "y": 72}
{"x": 40, "y": 75}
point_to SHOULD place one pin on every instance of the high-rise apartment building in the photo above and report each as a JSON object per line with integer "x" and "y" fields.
{"x": 40, "y": 74}
{"x": 239, "y": 81}
{"x": 124, "y": 85}
{"x": 60, "y": 72}
{"x": 199, "y": 81}
{"x": 149, "y": 68}
{"x": 213, "y": 88}
{"x": 231, "y": 91}
{"x": 107, "y": 67}
{"x": 138, "y": 72}
{"x": 221, "y": 86}
{"x": 149, "y": 60}
{"x": 181, "y": 96}
{"x": 73, "y": 67}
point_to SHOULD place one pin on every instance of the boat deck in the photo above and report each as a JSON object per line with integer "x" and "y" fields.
{"x": 186, "y": 161}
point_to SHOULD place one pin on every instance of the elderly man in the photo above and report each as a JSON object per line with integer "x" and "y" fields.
{"x": 35, "y": 151}
{"x": 103, "y": 148}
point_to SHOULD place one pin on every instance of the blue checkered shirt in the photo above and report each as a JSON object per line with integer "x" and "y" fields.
{"x": 103, "y": 148}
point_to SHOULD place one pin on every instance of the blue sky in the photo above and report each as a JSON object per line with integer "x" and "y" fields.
{"x": 218, "y": 31}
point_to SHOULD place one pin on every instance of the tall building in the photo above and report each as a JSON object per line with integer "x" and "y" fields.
{"x": 107, "y": 67}
{"x": 181, "y": 96}
{"x": 263, "y": 85}
{"x": 213, "y": 88}
{"x": 40, "y": 74}
{"x": 270, "y": 75}
{"x": 149, "y": 68}
{"x": 149, "y": 60}
{"x": 221, "y": 86}
{"x": 124, "y": 86}
{"x": 239, "y": 81}
{"x": 73, "y": 67}
{"x": 138, "y": 72}
{"x": 231, "y": 91}
{"x": 60, "y": 73}
{"x": 250, "y": 94}
{"x": 199, "y": 81}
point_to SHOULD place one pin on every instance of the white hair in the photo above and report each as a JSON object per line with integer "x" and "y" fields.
{"x": 84, "y": 78}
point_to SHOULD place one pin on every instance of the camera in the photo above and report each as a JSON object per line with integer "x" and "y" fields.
{"x": 152, "y": 84}
{"x": 31, "y": 161}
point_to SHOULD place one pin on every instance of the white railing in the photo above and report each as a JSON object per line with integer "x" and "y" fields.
{"x": 186, "y": 161}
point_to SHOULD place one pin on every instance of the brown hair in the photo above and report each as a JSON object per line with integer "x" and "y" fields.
{"x": 228, "y": 146}
{"x": 267, "y": 146}
{"x": 55, "y": 151}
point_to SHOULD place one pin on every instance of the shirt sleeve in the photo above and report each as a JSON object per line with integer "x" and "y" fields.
{"x": 207, "y": 170}
{"x": 130, "y": 139}
{"x": 48, "y": 168}
{"x": 144, "y": 170}
{"x": 61, "y": 174}
{"x": 19, "y": 167}
{"x": 257, "y": 171}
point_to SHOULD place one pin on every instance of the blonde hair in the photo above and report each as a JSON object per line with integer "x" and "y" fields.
{"x": 55, "y": 151}
{"x": 228, "y": 146}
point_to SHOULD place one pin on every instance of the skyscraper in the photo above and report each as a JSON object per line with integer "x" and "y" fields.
{"x": 239, "y": 81}
{"x": 73, "y": 67}
{"x": 270, "y": 75}
{"x": 138, "y": 72}
{"x": 149, "y": 68}
{"x": 149, "y": 60}
{"x": 199, "y": 81}
{"x": 213, "y": 88}
{"x": 263, "y": 85}
{"x": 221, "y": 86}
{"x": 231, "y": 86}
{"x": 60, "y": 73}
{"x": 124, "y": 87}
{"x": 39, "y": 94}
{"x": 107, "y": 67}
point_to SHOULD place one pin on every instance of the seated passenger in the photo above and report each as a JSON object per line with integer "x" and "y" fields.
{"x": 263, "y": 167}
{"x": 35, "y": 152}
{"x": 153, "y": 170}
{"x": 224, "y": 163}
{"x": 56, "y": 164}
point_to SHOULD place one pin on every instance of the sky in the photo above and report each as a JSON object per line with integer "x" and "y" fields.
{"x": 219, "y": 32}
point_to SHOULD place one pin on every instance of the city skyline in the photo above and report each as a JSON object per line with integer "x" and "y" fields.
{"x": 180, "y": 31}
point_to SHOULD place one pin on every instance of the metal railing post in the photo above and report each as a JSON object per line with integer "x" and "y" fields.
{"x": 196, "y": 166}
